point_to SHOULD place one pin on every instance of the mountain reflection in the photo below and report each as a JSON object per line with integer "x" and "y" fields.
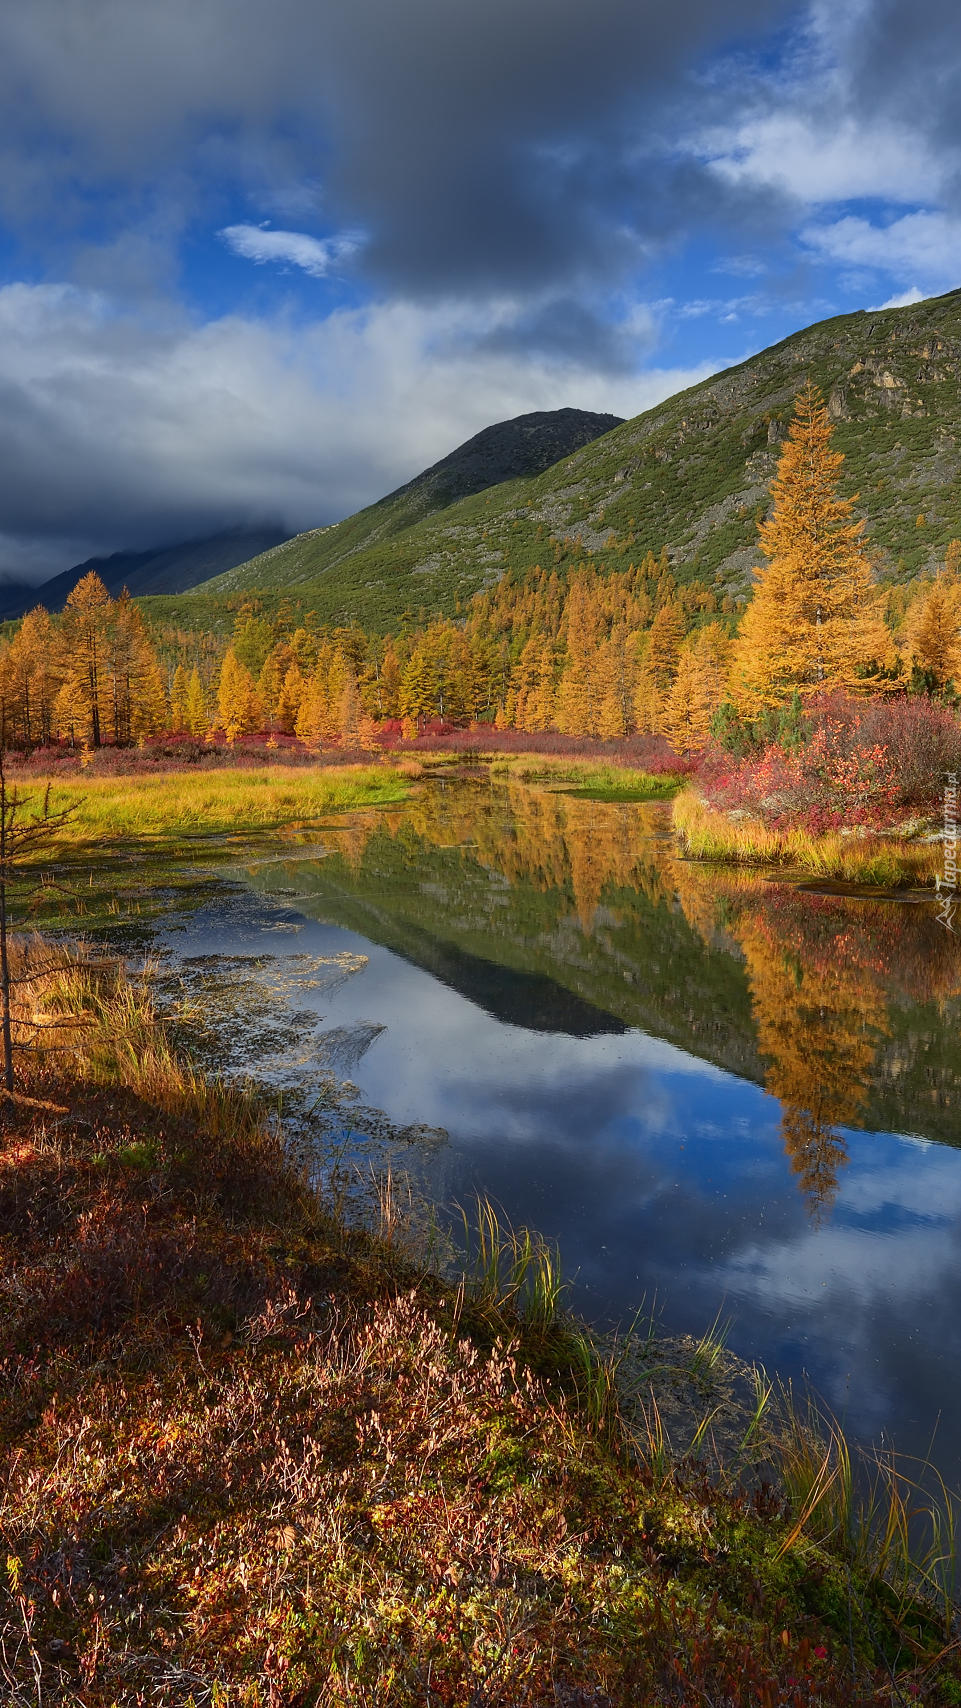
{"x": 845, "y": 1007}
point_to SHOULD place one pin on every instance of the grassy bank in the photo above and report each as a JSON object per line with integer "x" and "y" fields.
{"x": 255, "y": 1455}
{"x": 887, "y": 862}
{"x": 174, "y": 806}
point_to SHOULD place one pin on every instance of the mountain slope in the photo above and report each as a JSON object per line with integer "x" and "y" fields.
{"x": 692, "y": 475}
{"x": 165, "y": 569}
{"x": 523, "y": 447}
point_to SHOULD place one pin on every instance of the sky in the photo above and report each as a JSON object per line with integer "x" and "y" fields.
{"x": 264, "y": 260}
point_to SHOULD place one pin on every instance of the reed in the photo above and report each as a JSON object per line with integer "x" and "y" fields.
{"x": 880, "y": 861}
{"x": 896, "y": 1527}
{"x": 511, "y": 1275}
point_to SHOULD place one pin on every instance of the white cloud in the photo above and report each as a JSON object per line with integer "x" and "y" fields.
{"x": 816, "y": 161}
{"x": 118, "y": 431}
{"x": 902, "y": 301}
{"x": 315, "y": 255}
{"x": 921, "y": 245}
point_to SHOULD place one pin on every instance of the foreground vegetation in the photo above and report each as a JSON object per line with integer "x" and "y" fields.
{"x": 255, "y": 1454}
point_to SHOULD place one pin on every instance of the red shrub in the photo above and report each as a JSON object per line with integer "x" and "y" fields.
{"x": 863, "y": 762}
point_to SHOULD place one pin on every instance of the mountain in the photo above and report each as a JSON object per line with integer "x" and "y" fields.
{"x": 692, "y": 475}
{"x": 510, "y": 450}
{"x": 165, "y": 569}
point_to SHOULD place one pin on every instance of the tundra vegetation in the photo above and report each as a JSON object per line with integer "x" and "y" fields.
{"x": 256, "y": 1453}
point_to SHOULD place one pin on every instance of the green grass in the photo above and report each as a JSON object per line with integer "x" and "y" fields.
{"x": 173, "y": 807}
{"x": 876, "y": 861}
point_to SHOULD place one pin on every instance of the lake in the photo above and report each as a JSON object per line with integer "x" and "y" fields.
{"x": 723, "y": 1094}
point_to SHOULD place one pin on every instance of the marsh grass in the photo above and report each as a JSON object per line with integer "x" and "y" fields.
{"x": 882, "y": 862}
{"x": 174, "y": 807}
{"x": 588, "y": 779}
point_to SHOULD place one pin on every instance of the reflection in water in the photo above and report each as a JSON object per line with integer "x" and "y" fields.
{"x": 545, "y": 1004}
{"x": 845, "y": 996}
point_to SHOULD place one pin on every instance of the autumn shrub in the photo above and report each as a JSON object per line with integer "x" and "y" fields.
{"x": 854, "y": 763}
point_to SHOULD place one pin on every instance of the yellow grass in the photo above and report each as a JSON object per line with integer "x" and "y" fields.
{"x": 185, "y": 804}
{"x": 888, "y": 862}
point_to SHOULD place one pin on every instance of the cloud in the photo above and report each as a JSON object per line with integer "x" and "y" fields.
{"x": 118, "y": 430}
{"x": 482, "y": 148}
{"x": 925, "y": 243}
{"x": 902, "y": 301}
{"x": 315, "y": 255}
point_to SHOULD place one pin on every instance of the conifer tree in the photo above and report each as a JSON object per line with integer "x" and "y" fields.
{"x": 933, "y": 632}
{"x": 815, "y": 620}
{"x": 658, "y": 667}
{"x": 30, "y": 680}
{"x": 236, "y": 698}
{"x": 178, "y": 698}
{"x": 81, "y": 706}
{"x": 579, "y": 695}
{"x": 270, "y": 684}
{"x": 195, "y": 705}
{"x": 291, "y": 699}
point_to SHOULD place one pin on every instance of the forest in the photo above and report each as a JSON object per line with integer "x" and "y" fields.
{"x": 575, "y": 649}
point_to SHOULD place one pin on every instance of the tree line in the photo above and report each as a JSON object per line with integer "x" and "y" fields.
{"x": 583, "y": 652}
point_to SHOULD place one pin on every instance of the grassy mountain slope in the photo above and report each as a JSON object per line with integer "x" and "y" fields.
{"x": 692, "y": 475}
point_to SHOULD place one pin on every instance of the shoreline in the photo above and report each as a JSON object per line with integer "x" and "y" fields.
{"x": 860, "y": 857}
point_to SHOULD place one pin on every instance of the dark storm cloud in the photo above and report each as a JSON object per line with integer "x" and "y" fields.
{"x": 484, "y": 147}
{"x": 906, "y": 64}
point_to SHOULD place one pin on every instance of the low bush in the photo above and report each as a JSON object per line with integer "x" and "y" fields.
{"x": 848, "y": 762}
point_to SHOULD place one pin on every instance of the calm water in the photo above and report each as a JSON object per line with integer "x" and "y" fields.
{"x": 718, "y": 1092}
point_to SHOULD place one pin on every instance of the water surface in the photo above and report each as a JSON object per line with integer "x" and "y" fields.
{"x": 718, "y": 1091}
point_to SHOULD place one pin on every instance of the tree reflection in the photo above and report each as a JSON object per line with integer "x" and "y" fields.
{"x": 823, "y": 971}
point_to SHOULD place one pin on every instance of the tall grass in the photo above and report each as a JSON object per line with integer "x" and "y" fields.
{"x": 706, "y": 834}
{"x": 510, "y": 1274}
{"x": 897, "y": 1529}
{"x": 186, "y": 804}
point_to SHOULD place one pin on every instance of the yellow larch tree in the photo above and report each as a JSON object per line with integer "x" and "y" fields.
{"x": 179, "y": 689}
{"x": 195, "y": 705}
{"x": 933, "y": 627}
{"x": 658, "y": 667}
{"x": 700, "y": 687}
{"x": 237, "y": 703}
{"x": 30, "y": 680}
{"x": 83, "y": 703}
{"x": 579, "y": 694}
{"x": 815, "y": 620}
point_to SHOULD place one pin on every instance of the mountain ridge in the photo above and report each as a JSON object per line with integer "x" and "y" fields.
{"x": 692, "y": 475}
{"x": 158, "y": 570}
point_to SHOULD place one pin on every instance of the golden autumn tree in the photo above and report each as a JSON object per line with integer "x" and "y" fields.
{"x": 30, "y": 677}
{"x": 933, "y": 629}
{"x": 579, "y": 694}
{"x": 237, "y": 703}
{"x": 83, "y": 709}
{"x": 135, "y": 697}
{"x": 699, "y": 688}
{"x": 815, "y": 620}
{"x": 195, "y": 705}
{"x": 179, "y": 689}
{"x": 659, "y": 665}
